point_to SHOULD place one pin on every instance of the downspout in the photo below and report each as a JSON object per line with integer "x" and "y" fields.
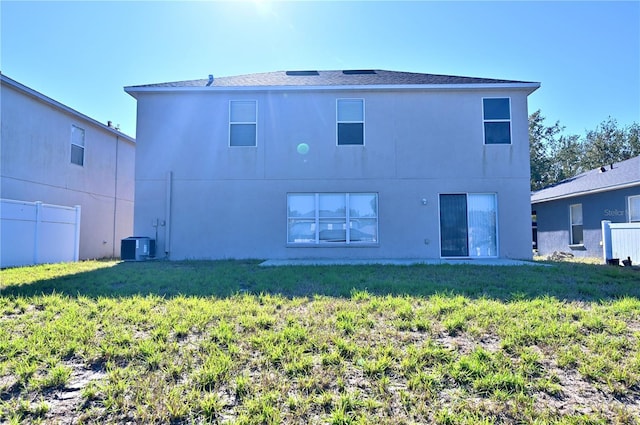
{"x": 167, "y": 215}
{"x": 115, "y": 202}
{"x": 36, "y": 239}
{"x": 76, "y": 247}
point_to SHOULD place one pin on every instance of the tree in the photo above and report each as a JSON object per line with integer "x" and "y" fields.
{"x": 567, "y": 158}
{"x": 556, "y": 157}
{"x": 544, "y": 145}
{"x": 605, "y": 145}
{"x": 633, "y": 140}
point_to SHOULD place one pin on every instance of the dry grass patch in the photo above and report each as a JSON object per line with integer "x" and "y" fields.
{"x": 284, "y": 356}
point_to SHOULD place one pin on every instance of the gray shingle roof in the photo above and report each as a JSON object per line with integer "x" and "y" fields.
{"x": 623, "y": 174}
{"x": 332, "y": 78}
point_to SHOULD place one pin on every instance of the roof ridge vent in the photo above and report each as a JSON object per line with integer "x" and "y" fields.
{"x": 301, "y": 73}
{"x": 359, "y": 71}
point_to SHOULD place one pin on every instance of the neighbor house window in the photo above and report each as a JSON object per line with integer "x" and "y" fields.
{"x": 243, "y": 122}
{"x": 350, "y": 121}
{"x": 332, "y": 218}
{"x": 497, "y": 120}
{"x": 77, "y": 145}
{"x": 575, "y": 211}
{"x": 468, "y": 225}
{"x": 634, "y": 209}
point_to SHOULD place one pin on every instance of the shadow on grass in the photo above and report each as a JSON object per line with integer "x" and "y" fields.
{"x": 222, "y": 279}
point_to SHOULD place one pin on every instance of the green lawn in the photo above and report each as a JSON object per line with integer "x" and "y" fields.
{"x": 233, "y": 342}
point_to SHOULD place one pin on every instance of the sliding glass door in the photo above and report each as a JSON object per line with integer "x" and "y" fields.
{"x": 468, "y": 225}
{"x": 454, "y": 240}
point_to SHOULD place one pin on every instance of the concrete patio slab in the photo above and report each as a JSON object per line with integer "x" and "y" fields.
{"x": 400, "y": 262}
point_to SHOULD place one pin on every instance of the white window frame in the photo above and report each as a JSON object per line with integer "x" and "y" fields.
{"x": 633, "y": 219}
{"x": 231, "y": 123}
{"x": 510, "y": 121}
{"x": 495, "y": 200}
{"x": 82, "y": 147}
{"x": 347, "y": 221}
{"x": 338, "y": 122}
{"x": 572, "y": 224}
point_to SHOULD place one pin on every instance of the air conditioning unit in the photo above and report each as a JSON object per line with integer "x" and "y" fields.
{"x": 137, "y": 248}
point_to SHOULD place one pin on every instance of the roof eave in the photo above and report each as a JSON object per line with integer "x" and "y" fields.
{"x": 528, "y": 87}
{"x": 45, "y": 99}
{"x": 586, "y": 192}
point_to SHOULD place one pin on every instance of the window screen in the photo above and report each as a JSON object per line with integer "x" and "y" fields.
{"x": 77, "y": 145}
{"x": 497, "y": 121}
{"x": 242, "y": 123}
{"x": 350, "y": 122}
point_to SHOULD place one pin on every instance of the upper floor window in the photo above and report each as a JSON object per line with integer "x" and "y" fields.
{"x": 634, "y": 209}
{"x": 497, "y": 120}
{"x": 243, "y": 122}
{"x": 575, "y": 211}
{"x": 77, "y": 145}
{"x": 350, "y": 121}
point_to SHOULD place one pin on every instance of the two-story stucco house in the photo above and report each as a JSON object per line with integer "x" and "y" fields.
{"x": 56, "y": 155}
{"x": 334, "y": 164}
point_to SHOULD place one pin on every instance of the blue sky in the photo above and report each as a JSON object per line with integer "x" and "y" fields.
{"x": 82, "y": 54}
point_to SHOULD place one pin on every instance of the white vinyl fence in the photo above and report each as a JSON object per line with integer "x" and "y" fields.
{"x": 621, "y": 240}
{"x": 37, "y": 233}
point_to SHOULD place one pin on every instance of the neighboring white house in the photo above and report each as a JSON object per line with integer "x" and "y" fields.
{"x": 334, "y": 164}
{"x": 56, "y": 155}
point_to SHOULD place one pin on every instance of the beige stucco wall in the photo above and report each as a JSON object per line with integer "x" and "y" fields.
{"x": 36, "y": 166}
{"x": 231, "y": 202}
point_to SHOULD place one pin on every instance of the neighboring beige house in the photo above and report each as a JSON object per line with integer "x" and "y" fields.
{"x": 54, "y": 154}
{"x": 334, "y": 164}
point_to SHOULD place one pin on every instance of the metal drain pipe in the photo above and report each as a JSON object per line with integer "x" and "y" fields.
{"x": 167, "y": 215}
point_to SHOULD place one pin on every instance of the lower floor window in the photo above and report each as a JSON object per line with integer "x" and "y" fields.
{"x": 634, "y": 209}
{"x": 468, "y": 225}
{"x": 575, "y": 213}
{"x": 330, "y": 218}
